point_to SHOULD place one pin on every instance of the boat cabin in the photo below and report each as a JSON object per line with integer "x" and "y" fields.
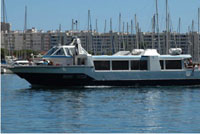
{"x": 137, "y": 60}
{"x": 148, "y": 60}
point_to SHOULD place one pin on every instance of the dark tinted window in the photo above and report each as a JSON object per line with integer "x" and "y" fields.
{"x": 162, "y": 64}
{"x": 139, "y": 65}
{"x": 51, "y": 51}
{"x": 135, "y": 65}
{"x": 173, "y": 64}
{"x": 120, "y": 65}
{"x": 102, "y": 65}
{"x": 143, "y": 65}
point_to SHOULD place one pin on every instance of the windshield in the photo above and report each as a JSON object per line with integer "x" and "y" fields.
{"x": 51, "y": 51}
{"x": 60, "y": 52}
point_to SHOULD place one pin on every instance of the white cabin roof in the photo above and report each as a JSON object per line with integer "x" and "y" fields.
{"x": 137, "y": 57}
{"x": 150, "y": 52}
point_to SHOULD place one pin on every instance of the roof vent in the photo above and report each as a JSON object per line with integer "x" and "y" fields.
{"x": 175, "y": 51}
{"x": 137, "y": 51}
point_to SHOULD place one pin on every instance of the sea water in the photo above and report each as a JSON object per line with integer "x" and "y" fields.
{"x": 97, "y": 109}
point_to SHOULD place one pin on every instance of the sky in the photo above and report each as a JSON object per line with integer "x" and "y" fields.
{"x": 48, "y": 14}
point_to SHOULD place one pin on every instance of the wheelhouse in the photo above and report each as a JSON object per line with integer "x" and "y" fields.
{"x": 68, "y": 55}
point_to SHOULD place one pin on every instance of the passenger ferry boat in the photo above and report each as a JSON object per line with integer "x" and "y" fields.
{"x": 71, "y": 65}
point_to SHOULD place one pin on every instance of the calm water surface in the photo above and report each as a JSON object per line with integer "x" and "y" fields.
{"x": 153, "y": 109}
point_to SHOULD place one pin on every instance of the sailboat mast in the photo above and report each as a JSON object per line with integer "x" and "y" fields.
{"x": 198, "y": 33}
{"x": 123, "y": 28}
{"x": 25, "y": 19}
{"x": 198, "y": 20}
{"x": 96, "y": 25}
{"x": 179, "y": 31}
{"x": 119, "y": 22}
{"x": 72, "y": 25}
{"x": 110, "y": 24}
{"x": 89, "y": 21}
{"x": 167, "y": 28}
{"x": 3, "y": 11}
{"x": 136, "y": 29}
{"x": 131, "y": 26}
{"x": 153, "y": 31}
{"x": 105, "y": 26}
{"x": 25, "y": 29}
{"x": 127, "y": 30}
{"x": 157, "y": 27}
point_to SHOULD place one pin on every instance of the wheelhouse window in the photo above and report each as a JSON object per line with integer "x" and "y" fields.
{"x": 139, "y": 65}
{"x": 162, "y": 64}
{"x": 51, "y": 51}
{"x": 60, "y": 52}
{"x": 120, "y": 65}
{"x": 102, "y": 65}
{"x": 173, "y": 64}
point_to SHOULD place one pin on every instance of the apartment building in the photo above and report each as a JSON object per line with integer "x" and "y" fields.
{"x": 103, "y": 43}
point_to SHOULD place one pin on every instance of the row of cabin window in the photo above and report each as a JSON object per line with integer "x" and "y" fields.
{"x": 136, "y": 65}
{"x": 121, "y": 65}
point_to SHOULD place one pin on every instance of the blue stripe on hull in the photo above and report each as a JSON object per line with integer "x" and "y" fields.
{"x": 84, "y": 80}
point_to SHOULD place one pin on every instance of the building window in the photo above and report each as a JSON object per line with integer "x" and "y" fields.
{"x": 102, "y": 65}
{"x": 120, "y": 65}
{"x": 162, "y": 64}
{"x": 139, "y": 65}
{"x": 173, "y": 64}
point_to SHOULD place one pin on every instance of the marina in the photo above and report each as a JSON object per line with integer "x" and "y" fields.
{"x": 100, "y": 67}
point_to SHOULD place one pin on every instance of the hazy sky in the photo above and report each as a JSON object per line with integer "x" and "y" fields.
{"x": 48, "y": 14}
